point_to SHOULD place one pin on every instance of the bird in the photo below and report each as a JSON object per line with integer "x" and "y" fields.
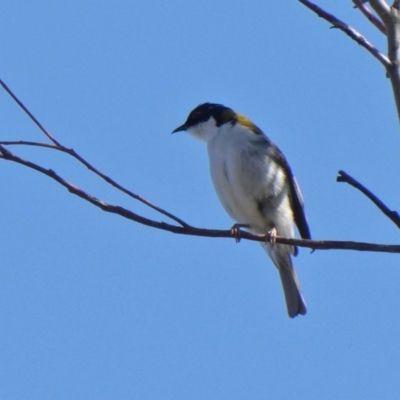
{"x": 255, "y": 185}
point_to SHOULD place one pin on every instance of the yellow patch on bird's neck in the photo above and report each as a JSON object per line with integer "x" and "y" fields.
{"x": 242, "y": 120}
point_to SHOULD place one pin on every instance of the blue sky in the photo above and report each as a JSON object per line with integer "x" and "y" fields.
{"x": 93, "y": 306}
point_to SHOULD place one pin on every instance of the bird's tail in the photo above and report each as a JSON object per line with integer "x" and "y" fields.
{"x": 291, "y": 288}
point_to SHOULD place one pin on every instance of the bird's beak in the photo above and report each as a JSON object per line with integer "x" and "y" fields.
{"x": 180, "y": 128}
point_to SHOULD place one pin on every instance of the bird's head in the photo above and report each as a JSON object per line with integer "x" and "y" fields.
{"x": 205, "y": 120}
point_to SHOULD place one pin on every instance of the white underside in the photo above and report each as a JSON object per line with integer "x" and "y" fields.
{"x": 254, "y": 191}
{"x": 244, "y": 178}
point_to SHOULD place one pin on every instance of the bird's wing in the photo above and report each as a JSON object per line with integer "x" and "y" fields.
{"x": 296, "y": 199}
{"x": 298, "y": 208}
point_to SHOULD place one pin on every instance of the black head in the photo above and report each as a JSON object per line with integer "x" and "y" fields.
{"x": 204, "y": 112}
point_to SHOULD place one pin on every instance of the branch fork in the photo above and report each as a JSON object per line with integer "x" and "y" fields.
{"x": 180, "y": 226}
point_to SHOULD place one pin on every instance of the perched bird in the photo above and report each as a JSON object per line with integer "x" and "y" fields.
{"x": 254, "y": 184}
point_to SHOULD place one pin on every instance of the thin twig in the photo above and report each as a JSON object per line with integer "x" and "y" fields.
{"x": 31, "y": 116}
{"x": 193, "y": 231}
{"x": 72, "y": 153}
{"x": 392, "y": 215}
{"x": 370, "y": 15}
{"x": 350, "y": 31}
{"x": 35, "y": 144}
{"x": 59, "y": 147}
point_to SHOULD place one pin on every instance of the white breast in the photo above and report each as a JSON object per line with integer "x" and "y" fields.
{"x": 251, "y": 186}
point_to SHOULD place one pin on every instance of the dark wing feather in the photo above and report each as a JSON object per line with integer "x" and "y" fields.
{"x": 296, "y": 199}
{"x": 298, "y": 208}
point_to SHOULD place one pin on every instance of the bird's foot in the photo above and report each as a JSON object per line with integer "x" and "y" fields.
{"x": 235, "y": 230}
{"x": 271, "y": 237}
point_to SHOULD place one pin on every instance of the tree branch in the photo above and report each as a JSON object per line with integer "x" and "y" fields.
{"x": 360, "y": 4}
{"x": 184, "y": 228}
{"x": 193, "y": 231}
{"x": 30, "y": 115}
{"x": 381, "y": 8}
{"x": 350, "y": 31}
{"x": 59, "y": 147}
{"x": 391, "y": 18}
{"x": 392, "y": 215}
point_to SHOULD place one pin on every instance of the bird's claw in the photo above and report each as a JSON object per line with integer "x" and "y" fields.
{"x": 235, "y": 230}
{"x": 271, "y": 237}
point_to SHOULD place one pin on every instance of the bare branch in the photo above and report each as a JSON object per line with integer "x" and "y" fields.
{"x": 360, "y": 4}
{"x": 184, "y": 229}
{"x": 381, "y": 8}
{"x": 29, "y": 143}
{"x": 350, "y": 31}
{"x": 72, "y": 153}
{"x": 31, "y": 116}
{"x": 392, "y": 215}
{"x": 58, "y": 146}
{"x": 190, "y": 230}
{"x": 391, "y": 18}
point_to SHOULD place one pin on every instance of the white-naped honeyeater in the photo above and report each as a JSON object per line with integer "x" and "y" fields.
{"x": 255, "y": 185}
